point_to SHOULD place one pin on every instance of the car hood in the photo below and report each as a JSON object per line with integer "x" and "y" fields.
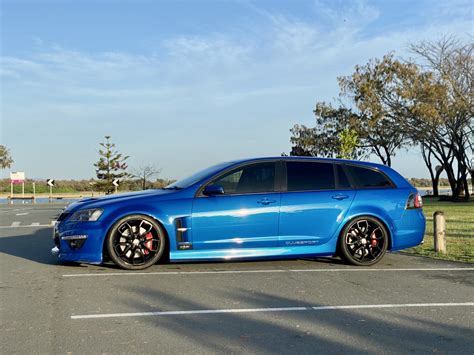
{"x": 96, "y": 202}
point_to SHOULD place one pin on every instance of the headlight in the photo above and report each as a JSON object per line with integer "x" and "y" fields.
{"x": 91, "y": 215}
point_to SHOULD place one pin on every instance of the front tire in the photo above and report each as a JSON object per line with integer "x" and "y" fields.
{"x": 136, "y": 242}
{"x": 363, "y": 241}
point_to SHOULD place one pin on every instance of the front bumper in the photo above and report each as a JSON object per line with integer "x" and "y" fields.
{"x": 78, "y": 241}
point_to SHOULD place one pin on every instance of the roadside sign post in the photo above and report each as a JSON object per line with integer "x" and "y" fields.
{"x": 116, "y": 183}
{"x": 50, "y": 183}
{"x": 92, "y": 184}
{"x": 17, "y": 177}
{"x": 34, "y": 192}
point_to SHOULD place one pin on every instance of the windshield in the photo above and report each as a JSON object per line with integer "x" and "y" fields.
{"x": 191, "y": 180}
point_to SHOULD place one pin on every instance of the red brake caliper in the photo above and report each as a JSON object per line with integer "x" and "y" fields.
{"x": 373, "y": 240}
{"x": 148, "y": 244}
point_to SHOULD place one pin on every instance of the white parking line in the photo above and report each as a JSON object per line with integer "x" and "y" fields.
{"x": 35, "y": 224}
{"x": 22, "y": 214}
{"x": 15, "y": 210}
{"x": 17, "y": 225}
{"x": 280, "y": 309}
{"x": 262, "y": 271}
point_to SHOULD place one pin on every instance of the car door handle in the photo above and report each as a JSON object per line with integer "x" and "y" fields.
{"x": 265, "y": 201}
{"x": 340, "y": 197}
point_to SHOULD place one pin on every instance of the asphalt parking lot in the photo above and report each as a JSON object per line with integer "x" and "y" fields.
{"x": 403, "y": 304}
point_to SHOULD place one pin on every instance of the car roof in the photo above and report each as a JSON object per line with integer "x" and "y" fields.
{"x": 300, "y": 158}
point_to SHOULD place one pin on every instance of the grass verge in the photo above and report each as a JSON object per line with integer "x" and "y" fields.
{"x": 459, "y": 230}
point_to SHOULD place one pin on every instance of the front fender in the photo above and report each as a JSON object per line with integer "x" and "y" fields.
{"x": 165, "y": 214}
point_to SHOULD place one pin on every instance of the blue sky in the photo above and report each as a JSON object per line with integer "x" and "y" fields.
{"x": 186, "y": 84}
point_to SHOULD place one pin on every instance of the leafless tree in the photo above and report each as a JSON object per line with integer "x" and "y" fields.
{"x": 145, "y": 173}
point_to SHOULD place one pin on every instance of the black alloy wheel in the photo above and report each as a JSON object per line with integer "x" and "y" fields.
{"x": 363, "y": 241}
{"x": 136, "y": 242}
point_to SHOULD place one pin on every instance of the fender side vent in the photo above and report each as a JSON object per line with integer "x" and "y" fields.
{"x": 182, "y": 234}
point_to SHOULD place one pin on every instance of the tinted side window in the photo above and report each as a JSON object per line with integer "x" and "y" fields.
{"x": 249, "y": 179}
{"x": 342, "y": 180}
{"x": 368, "y": 177}
{"x": 309, "y": 176}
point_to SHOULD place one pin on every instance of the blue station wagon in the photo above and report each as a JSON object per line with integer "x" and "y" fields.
{"x": 283, "y": 207}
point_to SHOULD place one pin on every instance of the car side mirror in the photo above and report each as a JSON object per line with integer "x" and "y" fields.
{"x": 213, "y": 190}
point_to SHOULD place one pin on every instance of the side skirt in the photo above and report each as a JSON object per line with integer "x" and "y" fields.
{"x": 252, "y": 253}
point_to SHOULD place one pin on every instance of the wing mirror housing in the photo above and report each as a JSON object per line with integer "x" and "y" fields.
{"x": 213, "y": 190}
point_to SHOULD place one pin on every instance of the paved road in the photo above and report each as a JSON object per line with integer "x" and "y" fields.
{"x": 297, "y": 306}
{"x": 26, "y": 216}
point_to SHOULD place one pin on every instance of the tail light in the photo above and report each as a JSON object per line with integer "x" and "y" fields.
{"x": 414, "y": 201}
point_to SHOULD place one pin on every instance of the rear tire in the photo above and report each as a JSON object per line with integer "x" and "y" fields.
{"x": 136, "y": 242}
{"x": 363, "y": 241}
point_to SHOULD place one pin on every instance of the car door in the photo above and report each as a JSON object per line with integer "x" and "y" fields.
{"x": 317, "y": 197}
{"x": 245, "y": 215}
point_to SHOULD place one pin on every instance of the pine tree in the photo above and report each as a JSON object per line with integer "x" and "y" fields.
{"x": 111, "y": 165}
{"x": 5, "y": 158}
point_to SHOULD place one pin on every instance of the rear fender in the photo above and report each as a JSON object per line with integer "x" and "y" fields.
{"x": 369, "y": 211}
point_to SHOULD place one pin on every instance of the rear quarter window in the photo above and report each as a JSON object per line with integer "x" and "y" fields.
{"x": 368, "y": 178}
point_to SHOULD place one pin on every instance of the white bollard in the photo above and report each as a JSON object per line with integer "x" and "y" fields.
{"x": 439, "y": 230}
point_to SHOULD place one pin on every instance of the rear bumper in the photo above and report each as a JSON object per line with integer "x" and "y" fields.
{"x": 78, "y": 242}
{"x": 409, "y": 230}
